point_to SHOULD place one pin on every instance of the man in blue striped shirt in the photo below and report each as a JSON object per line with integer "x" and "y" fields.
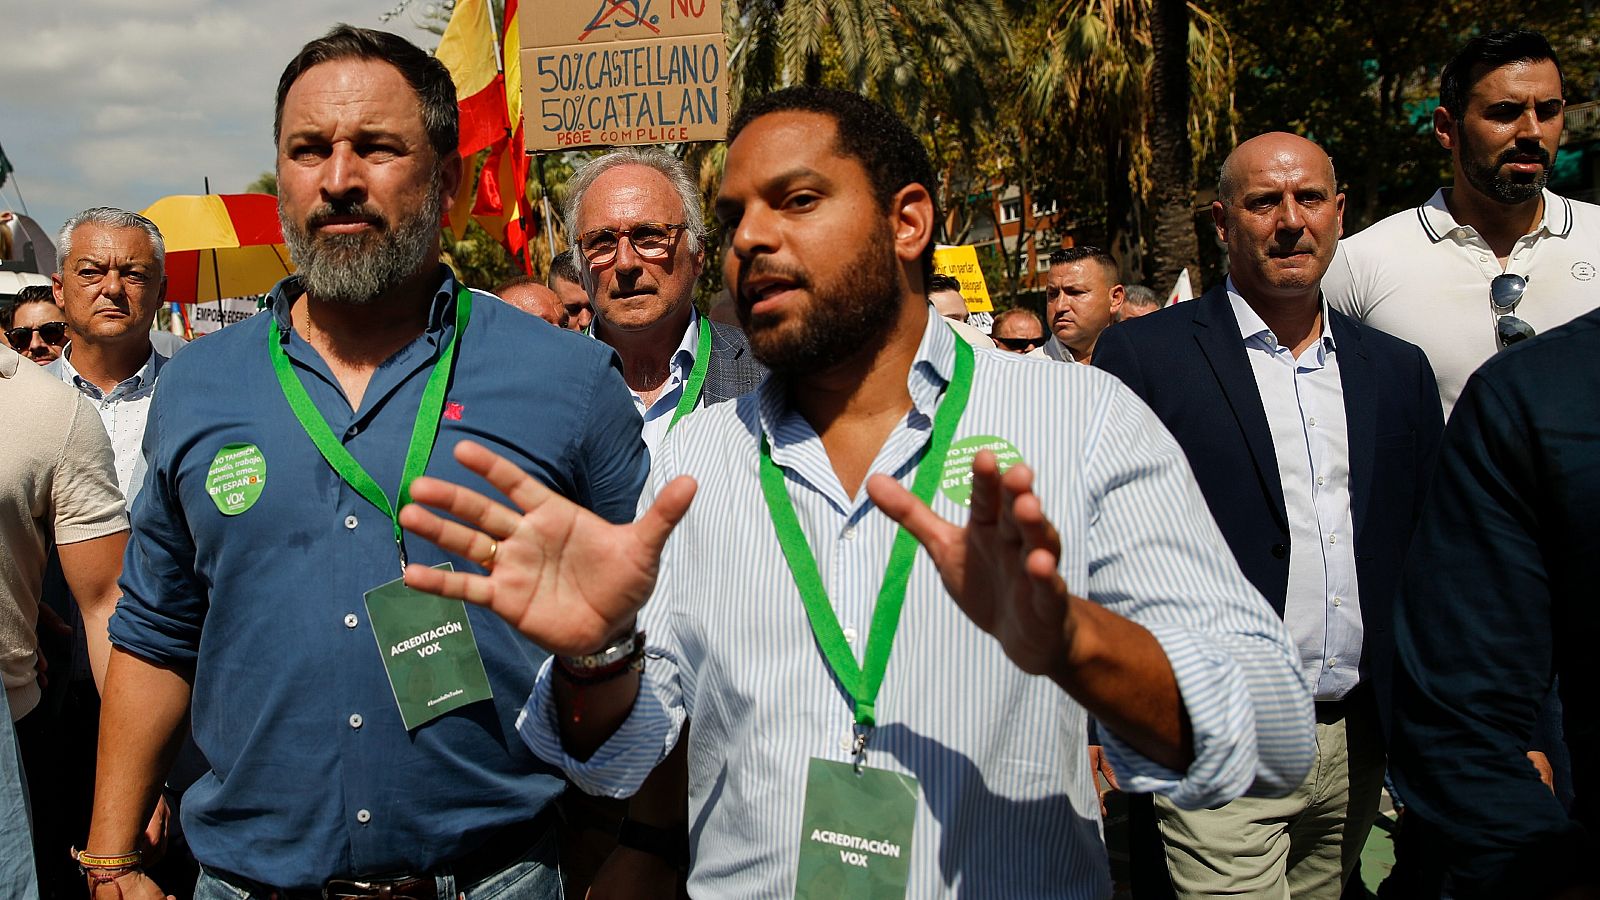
{"x": 771, "y": 613}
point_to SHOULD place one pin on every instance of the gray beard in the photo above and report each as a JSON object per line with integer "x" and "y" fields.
{"x": 359, "y": 268}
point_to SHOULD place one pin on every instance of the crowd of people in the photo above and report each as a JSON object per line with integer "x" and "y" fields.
{"x": 924, "y": 593}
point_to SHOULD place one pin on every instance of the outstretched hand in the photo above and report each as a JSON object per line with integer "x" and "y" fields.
{"x": 567, "y": 579}
{"x": 1002, "y": 568}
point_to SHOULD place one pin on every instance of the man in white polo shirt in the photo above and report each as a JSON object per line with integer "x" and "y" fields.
{"x": 1425, "y": 274}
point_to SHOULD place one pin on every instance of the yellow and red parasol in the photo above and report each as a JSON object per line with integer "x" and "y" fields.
{"x": 220, "y": 245}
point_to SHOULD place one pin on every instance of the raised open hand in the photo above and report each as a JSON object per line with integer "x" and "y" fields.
{"x": 1002, "y": 567}
{"x": 566, "y": 578}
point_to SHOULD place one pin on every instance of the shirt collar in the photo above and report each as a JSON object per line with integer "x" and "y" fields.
{"x": 1438, "y": 223}
{"x": 146, "y": 376}
{"x": 683, "y": 357}
{"x": 931, "y": 371}
{"x": 1252, "y": 326}
{"x": 286, "y": 292}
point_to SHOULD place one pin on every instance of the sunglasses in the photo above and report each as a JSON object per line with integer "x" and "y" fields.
{"x": 1505, "y": 292}
{"x": 52, "y": 333}
{"x": 1020, "y": 344}
{"x": 651, "y": 240}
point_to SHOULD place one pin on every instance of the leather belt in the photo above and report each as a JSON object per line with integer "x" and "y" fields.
{"x": 499, "y": 851}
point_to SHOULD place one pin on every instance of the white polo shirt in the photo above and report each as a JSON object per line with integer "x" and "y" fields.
{"x": 1421, "y": 276}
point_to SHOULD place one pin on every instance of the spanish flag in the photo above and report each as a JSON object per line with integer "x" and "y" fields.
{"x": 502, "y": 198}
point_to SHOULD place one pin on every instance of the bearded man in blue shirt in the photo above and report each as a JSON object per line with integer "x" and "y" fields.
{"x": 361, "y": 741}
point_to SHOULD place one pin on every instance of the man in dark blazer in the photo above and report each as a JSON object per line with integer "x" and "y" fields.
{"x": 1498, "y": 598}
{"x": 1311, "y": 437}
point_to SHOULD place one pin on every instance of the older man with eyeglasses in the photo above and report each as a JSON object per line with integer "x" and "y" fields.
{"x": 640, "y": 248}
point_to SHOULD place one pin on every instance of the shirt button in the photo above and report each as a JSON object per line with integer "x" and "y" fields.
{"x": 1338, "y": 601}
{"x": 355, "y": 720}
{"x": 354, "y": 430}
{"x": 1334, "y": 661}
{"x": 350, "y": 620}
{"x": 849, "y": 533}
{"x": 1319, "y": 479}
{"x": 1333, "y": 539}
{"x": 850, "y": 635}
{"x": 1312, "y": 421}
{"x": 363, "y": 816}
{"x": 351, "y": 522}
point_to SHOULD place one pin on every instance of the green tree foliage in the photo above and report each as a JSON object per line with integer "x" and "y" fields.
{"x": 1361, "y": 78}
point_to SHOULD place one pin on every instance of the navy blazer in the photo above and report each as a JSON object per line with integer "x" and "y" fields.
{"x": 1188, "y": 362}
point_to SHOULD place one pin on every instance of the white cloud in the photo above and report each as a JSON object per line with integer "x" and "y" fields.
{"x": 121, "y": 102}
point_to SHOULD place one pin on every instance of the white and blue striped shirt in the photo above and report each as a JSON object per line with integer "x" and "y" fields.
{"x": 1007, "y": 806}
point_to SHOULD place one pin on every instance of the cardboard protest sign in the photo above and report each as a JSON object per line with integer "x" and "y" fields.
{"x": 613, "y": 72}
{"x": 962, "y": 264}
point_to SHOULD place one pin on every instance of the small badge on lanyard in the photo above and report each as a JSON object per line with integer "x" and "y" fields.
{"x": 855, "y": 836}
{"x": 428, "y": 650}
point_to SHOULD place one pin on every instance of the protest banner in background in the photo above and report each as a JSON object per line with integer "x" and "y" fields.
{"x": 204, "y": 318}
{"x": 613, "y": 72}
{"x": 962, "y": 263}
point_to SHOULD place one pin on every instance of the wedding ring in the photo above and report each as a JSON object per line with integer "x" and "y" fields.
{"x": 488, "y": 561}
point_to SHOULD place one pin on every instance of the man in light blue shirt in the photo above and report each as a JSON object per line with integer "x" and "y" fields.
{"x": 110, "y": 286}
{"x": 1311, "y": 437}
{"x": 949, "y": 766}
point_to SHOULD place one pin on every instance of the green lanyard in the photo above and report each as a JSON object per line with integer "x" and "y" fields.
{"x": 697, "y": 374}
{"x": 423, "y": 432}
{"x": 862, "y": 683}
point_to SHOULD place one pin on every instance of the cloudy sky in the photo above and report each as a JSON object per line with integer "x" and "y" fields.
{"x": 122, "y": 102}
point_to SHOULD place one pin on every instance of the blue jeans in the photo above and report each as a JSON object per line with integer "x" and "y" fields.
{"x": 533, "y": 877}
{"x": 17, "y": 876}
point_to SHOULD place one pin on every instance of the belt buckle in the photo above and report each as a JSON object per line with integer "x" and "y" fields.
{"x": 353, "y": 889}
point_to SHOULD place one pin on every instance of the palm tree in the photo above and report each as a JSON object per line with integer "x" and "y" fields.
{"x": 902, "y": 54}
{"x": 1149, "y": 81}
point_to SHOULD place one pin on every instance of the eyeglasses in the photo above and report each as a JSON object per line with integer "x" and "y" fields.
{"x": 1505, "y": 292}
{"x": 52, "y": 333}
{"x": 1020, "y": 344}
{"x": 651, "y": 240}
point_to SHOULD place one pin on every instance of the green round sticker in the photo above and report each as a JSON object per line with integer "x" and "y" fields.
{"x": 956, "y": 483}
{"x": 238, "y": 473}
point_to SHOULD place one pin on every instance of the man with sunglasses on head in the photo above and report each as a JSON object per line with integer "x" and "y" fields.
{"x": 34, "y": 325}
{"x": 1496, "y": 257}
{"x": 640, "y": 249}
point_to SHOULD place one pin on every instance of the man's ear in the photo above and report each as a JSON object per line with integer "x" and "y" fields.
{"x": 449, "y": 178}
{"x": 1444, "y": 128}
{"x": 1219, "y": 218}
{"x": 911, "y": 217}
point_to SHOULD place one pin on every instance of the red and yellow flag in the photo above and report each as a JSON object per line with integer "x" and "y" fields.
{"x": 469, "y": 50}
{"x": 501, "y": 202}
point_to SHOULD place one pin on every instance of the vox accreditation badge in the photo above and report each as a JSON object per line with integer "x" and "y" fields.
{"x": 428, "y": 651}
{"x": 855, "y": 839}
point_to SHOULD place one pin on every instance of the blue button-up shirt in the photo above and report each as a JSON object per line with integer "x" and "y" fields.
{"x": 313, "y": 775}
{"x": 1007, "y": 807}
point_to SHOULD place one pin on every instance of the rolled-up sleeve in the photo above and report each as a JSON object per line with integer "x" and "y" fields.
{"x": 652, "y": 727}
{"x": 1157, "y": 557}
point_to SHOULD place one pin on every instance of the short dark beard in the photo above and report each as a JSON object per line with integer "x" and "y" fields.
{"x": 1486, "y": 177}
{"x": 842, "y": 318}
{"x": 359, "y": 268}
